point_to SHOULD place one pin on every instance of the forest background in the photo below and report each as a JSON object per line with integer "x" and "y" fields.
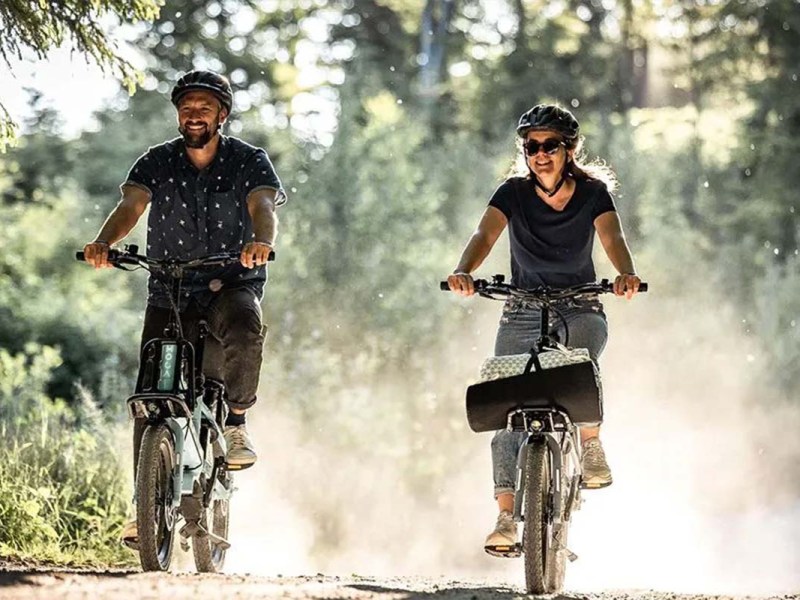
{"x": 390, "y": 123}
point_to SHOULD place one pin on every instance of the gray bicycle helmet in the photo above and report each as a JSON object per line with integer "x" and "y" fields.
{"x": 550, "y": 117}
{"x": 207, "y": 81}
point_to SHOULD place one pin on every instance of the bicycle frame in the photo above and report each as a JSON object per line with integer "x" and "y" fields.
{"x": 166, "y": 391}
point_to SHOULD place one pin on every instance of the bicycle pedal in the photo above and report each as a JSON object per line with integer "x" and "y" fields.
{"x": 594, "y": 486}
{"x": 235, "y": 467}
{"x": 218, "y": 541}
{"x": 514, "y": 551}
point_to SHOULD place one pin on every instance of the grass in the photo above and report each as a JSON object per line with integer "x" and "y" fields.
{"x": 63, "y": 493}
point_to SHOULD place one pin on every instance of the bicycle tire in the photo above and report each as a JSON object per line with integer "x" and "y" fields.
{"x": 209, "y": 557}
{"x": 534, "y": 535}
{"x": 155, "y": 516}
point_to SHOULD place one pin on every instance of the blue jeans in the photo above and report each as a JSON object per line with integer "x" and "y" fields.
{"x": 518, "y": 332}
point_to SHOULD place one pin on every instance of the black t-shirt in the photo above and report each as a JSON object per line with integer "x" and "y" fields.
{"x": 196, "y": 213}
{"x": 550, "y": 247}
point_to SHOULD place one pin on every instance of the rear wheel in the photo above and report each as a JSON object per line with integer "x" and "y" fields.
{"x": 155, "y": 515}
{"x": 534, "y": 535}
{"x": 208, "y": 556}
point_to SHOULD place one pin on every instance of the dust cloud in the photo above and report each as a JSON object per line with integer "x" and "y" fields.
{"x": 703, "y": 451}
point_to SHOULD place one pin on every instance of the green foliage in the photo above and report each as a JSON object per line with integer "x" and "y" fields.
{"x": 102, "y": 158}
{"x": 378, "y": 214}
{"x": 49, "y": 298}
{"x": 43, "y": 26}
{"x": 8, "y": 130}
{"x": 41, "y": 164}
{"x": 62, "y": 493}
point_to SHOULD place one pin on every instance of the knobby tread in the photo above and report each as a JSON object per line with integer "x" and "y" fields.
{"x": 150, "y": 454}
{"x": 533, "y": 537}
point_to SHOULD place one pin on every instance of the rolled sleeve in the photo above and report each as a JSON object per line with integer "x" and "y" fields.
{"x": 144, "y": 173}
{"x": 260, "y": 174}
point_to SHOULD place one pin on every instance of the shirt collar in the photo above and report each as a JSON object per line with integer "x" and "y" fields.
{"x": 222, "y": 151}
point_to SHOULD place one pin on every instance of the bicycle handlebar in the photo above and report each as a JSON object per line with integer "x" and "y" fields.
{"x": 130, "y": 256}
{"x": 496, "y": 286}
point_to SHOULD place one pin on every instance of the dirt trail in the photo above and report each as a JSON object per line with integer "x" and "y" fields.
{"x": 21, "y": 582}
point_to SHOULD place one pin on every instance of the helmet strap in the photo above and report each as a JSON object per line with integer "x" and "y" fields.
{"x": 554, "y": 191}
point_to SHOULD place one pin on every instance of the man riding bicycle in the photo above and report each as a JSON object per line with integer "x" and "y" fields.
{"x": 207, "y": 193}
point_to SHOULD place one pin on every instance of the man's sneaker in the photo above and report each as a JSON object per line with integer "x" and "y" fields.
{"x": 130, "y": 535}
{"x": 503, "y": 540}
{"x": 241, "y": 452}
{"x": 596, "y": 473}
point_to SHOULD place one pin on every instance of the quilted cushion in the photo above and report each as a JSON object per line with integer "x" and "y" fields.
{"x": 496, "y": 367}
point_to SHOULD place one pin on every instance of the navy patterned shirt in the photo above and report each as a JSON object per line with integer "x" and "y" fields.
{"x": 195, "y": 213}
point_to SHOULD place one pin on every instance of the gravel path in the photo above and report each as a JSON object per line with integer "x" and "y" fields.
{"x": 19, "y": 582}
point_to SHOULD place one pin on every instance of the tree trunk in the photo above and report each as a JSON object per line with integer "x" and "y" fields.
{"x": 436, "y": 19}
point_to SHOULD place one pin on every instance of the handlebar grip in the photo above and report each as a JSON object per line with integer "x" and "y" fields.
{"x": 480, "y": 284}
{"x": 608, "y": 286}
{"x": 271, "y": 255}
{"x": 112, "y": 255}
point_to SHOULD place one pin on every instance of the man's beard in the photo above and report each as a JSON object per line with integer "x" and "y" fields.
{"x": 194, "y": 140}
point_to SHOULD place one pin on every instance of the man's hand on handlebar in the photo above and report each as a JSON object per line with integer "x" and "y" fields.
{"x": 255, "y": 254}
{"x": 461, "y": 283}
{"x": 627, "y": 284}
{"x": 96, "y": 254}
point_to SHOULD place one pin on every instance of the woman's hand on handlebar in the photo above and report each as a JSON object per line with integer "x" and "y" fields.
{"x": 627, "y": 284}
{"x": 96, "y": 254}
{"x": 461, "y": 283}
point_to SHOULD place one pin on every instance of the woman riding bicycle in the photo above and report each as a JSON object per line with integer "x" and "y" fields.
{"x": 552, "y": 203}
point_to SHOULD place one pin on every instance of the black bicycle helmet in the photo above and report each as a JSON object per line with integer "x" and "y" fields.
{"x": 550, "y": 117}
{"x": 207, "y": 81}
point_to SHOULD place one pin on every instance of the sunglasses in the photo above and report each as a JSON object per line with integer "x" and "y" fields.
{"x": 550, "y": 146}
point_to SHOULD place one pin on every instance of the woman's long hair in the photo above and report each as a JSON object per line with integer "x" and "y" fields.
{"x": 578, "y": 167}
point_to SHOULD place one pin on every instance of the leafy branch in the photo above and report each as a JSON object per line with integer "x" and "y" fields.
{"x": 42, "y": 25}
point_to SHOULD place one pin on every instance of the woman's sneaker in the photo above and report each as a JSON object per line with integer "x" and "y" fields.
{"x": 503, "y": 540}
{"x": 596, "y": 473}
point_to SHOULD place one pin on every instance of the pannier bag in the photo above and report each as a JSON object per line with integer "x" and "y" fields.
{"x": 568, "y": 381}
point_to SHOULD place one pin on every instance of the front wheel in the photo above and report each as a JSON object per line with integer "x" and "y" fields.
{"x": 544, "y": 564}
{"x": 536, "y": 488}
{"x": 155, "y": 514}
{"x": 543, "y": 544}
